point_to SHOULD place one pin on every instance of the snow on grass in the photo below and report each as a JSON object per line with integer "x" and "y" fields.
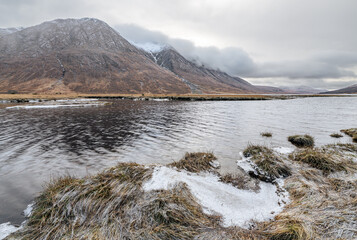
{"x": 28, "y": 210}
{"x": 150, "y": 46}
{"x": 283, "y": 150}
{"x": 246, "y": 164}
{"x": 236, "y": 206}
{"x": 6, "y": 229}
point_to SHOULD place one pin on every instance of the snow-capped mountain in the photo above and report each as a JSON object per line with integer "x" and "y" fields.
{"x": 6, "y": 31}
{"x": 88, "y": 56}
{"x": 79, "y": 55}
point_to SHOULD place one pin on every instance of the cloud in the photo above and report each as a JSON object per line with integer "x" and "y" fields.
{"x": 312, "y": 70}
{"x": 292, "y": 40}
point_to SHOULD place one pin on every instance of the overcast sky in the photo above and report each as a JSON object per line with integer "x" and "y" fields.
{"x": 268, "y": 42}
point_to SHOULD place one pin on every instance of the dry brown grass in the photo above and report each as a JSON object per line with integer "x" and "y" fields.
{"x": 195, "y": 162}
{"x": 113, "y": 205}
{"x": 266, "y": 134}
{"x": 269, "y": 165}
{"x": 352, "y": 132}
{"x": 302, "y": 141}
{"x": 336, "y": 135}
{"x": 319, "y": 159}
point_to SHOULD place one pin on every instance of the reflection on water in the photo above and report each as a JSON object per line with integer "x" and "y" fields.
{"x": 37, "y": 144}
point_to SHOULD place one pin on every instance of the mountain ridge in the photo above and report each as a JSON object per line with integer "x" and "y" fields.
{"x": 88, "y": 56}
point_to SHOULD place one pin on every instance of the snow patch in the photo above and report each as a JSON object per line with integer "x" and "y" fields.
{"x": 28, "y": 210}
{"x": 236, "y": 206}
{"x": 6, "y": 229}
{"x": 150, "y": 47}
{"x": 283, "y": 150}
{"x": 246, "y": 164}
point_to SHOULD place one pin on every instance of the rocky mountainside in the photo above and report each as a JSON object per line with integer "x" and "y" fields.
{"x": 84, "y": 55}
{"x": 200, "y": 78}
{"x": 88, "y": 56}
{"x": 6, "y": 31}
{"x": 348, "y": 90}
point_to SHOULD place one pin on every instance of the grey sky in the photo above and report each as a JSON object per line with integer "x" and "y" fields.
{"x": 274, "y": 42}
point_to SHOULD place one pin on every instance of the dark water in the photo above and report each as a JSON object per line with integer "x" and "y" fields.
{"x": 37, "y": 144}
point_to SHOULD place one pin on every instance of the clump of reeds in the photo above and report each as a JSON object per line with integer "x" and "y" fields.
{"x": 240, "y": 181}
{"x": 266, "y": 134}
{"x": 318, "y": 159}
{"x": 287, "y": 228}
{"x": 336, "y": 135}
{"x": 352, "y": 132}
{"x": 301, "y": 141}
{"x": 196, "y": 162}
{"x": 349, "y": 147}
{"x": 268, "y": 162}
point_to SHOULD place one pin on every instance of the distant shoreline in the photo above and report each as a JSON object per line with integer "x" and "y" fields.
{"x": 177, "y": 97}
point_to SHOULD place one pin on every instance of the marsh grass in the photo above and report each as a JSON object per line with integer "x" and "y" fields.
{"x": 113, "y": 204}
{"x": 287, "y": 228}
{"x": 352, "y": 132}
{"x": 301, "y": 141}
{"x": 269, "y": 164}
{"x": 336, "y": 135}
{"x": 195, "y": 162}
{"x": 266, "y": 134}
{"x": 318, "y": 159}
{"x": 346, "y": 147}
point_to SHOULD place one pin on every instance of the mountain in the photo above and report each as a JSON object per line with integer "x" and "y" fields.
{"x": 79, "y": 55}
{"x": 88, "y": 56}
{"x": 6, "y": 31}
{"x": 200, "y": 78}
{"x": 301, "y": 90}
{"x": 347, "y": 90}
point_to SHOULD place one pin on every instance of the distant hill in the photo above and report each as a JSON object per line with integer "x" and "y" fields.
{"x": 88, "y": 56}
{"x": 347, "y": 90}
{"x": 302, "y": 90}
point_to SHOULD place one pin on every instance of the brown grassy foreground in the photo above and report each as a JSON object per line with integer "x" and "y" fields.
{"x": 113, "y": 205}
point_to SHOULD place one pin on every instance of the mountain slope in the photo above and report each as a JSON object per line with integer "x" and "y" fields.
{"x": 84, "y": 55}
{"x": 200, "y": 78}
{"x": 347, "y": 90}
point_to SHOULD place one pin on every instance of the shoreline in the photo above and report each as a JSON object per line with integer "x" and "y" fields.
{"x": 19, "y": 98}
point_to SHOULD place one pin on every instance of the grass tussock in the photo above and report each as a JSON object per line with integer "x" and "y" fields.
{"x": 301, "y": 141}
{"x": 112, "y": 205}
{"x": 352, "y": 132}
{"x": 269, "y": 164}
{"x": 336, "y": 135}
{"x": 318, "y": 159}
{"x": 288, "y": 228}
{"x": 345, "y": 147}
{"x": 266, "y": 134}
{"x": 196, "y": 162}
